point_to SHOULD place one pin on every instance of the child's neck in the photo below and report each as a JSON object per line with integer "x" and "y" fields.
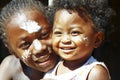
{"x": 67, "y": 66}
{"x": 72, "y": 65}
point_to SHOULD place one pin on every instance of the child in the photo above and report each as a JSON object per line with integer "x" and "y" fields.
{"x": 79, "y": 27}
{"x": 25, "y": 30}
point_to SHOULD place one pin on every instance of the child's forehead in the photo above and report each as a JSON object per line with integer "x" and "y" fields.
{"x": 79, "y": 12}
{"x": 26, "y": 22}
{"x": 24, "y": 15}
{"x": 64, "y": 13}
{"x": 72, "y": 18}
{"x": 67, "y": 13}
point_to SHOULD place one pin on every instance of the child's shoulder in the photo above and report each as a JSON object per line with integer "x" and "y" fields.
{"x": 10, "y": 59}
{"x": 99, "y": 72}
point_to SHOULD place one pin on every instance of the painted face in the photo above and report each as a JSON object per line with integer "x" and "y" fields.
{"x": 28, "y": 36}
{"x": 72, "y": 38}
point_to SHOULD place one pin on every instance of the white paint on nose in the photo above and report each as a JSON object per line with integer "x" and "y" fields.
{"x": 30, "y": 26}
{"x": 37, "y": 45}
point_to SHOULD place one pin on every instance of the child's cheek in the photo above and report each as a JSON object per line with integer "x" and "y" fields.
{"x": 26, "y": 56}
{"x": 36, "y": 47}
{"x": 84, "y": 40}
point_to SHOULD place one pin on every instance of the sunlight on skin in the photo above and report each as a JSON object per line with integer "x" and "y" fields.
{"x": 36, "y": 44}
{"x": 30, "y": 26}
{"x": 84, "y": 38}
{"x": 27, "y": 25}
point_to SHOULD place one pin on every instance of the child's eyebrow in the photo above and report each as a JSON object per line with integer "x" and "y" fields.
{"x": 76, "y": 26}
{"x": 23, "y": 38}
{"x": 56, "y": 28}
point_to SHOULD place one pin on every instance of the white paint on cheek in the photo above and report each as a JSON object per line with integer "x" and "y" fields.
{"x": 37, "y": 44}
{"x": 30, "y": 26}
{"x": 26, "y": 54}
{"x": 81, "y": 38}
{"x": 87, "y": 41}
{"x": 84, "y": 39}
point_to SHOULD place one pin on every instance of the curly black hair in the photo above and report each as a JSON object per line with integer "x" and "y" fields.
{"x": 15, "y": 6}
{"x": 99, "y": 11}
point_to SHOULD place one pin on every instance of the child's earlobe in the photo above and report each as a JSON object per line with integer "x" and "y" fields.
{"x": 9, "y": 49}
{"x": 99, "y": 39}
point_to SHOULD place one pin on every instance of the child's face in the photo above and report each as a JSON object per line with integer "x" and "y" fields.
{"x": 28, "y": 37}
{"x": 72, "y": 37}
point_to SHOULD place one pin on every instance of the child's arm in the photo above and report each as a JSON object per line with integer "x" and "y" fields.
{"x": 99, "y": 73}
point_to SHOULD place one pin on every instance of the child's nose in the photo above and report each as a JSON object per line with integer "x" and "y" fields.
{"x": 37, "y": 46}
{"x": 66, "y": 39}
{"x": 38, "y": 49}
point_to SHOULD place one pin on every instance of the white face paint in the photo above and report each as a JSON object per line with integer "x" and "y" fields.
{"x": 87, "y": 41}
{"x": 30, "y": 26}
{"x": 26, "y": 55}
{"x": 37, "y": 45}
{"x": 21, "y": 17}
{"x": 84, "y": 38}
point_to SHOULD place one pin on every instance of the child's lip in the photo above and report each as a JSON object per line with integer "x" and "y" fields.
{"x": 67, "y": 49}
{"x": 41, "y": 58}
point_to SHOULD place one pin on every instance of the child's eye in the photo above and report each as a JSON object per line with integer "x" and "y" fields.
{"x": 75, "y": 33}
{"x": 25, "y": 45}
{"x": 44, "y": 35}
{"x": 57, "y": 33}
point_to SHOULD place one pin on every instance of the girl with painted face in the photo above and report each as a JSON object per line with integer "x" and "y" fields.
{"x": 25, "y": 31}
{"x": 78, "y": 29}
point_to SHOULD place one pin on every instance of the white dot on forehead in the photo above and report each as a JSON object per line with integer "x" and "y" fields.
{"x": 30, "y": 26}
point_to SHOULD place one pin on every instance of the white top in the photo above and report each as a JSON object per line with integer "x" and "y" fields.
{"x": 80, "y": 73}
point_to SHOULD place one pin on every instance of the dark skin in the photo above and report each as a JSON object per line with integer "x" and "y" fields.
{"x": 74, "y": 39}
{"x": 22, "y": 40}
{"x": 32, "y": 73}
{"x": 19, "y": 41}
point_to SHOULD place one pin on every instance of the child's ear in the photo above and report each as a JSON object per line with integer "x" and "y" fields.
{"x": 99, "y": 39}
{"x": 6, "y": 45}
{"x": 9, "y": 49}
